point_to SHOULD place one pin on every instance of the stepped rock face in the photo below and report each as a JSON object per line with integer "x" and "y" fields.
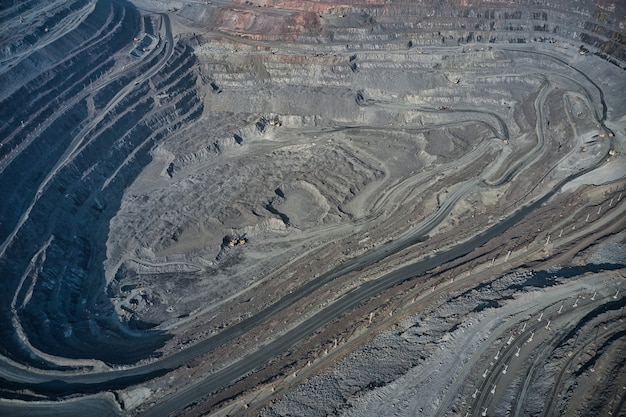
{"x": 183, "y": 183}
{"x": 74, "y": 138}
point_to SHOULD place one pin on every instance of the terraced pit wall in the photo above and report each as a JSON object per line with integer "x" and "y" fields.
{"x": 66, "y": 112}
{"x": 52, "y": 88}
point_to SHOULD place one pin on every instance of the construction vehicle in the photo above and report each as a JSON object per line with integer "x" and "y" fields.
{"x": 274, "y": 121}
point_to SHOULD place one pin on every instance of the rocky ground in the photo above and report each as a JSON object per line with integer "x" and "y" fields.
{"x": 173, "y": 171}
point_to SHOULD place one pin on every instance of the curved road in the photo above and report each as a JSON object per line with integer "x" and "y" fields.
{"x": 259, "y": 358}
{"x": 60, "y": 384}
{"x": 77, "y": 144}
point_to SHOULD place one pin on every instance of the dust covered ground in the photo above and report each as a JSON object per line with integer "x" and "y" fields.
{"x": 311, "y": 208}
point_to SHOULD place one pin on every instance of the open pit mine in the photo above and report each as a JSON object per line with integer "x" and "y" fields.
{"x": 309, "y": 208}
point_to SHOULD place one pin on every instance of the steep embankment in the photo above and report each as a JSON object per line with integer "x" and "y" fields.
{"x": 597, "y": 25}
{"x": 76, "y": 131}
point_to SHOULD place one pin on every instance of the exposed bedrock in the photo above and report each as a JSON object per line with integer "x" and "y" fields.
{"x": 332, "y": 108}
{"x": 69, "y": 151}
{"x": 595, "y": 24}
{"x": 178, "y": 201}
